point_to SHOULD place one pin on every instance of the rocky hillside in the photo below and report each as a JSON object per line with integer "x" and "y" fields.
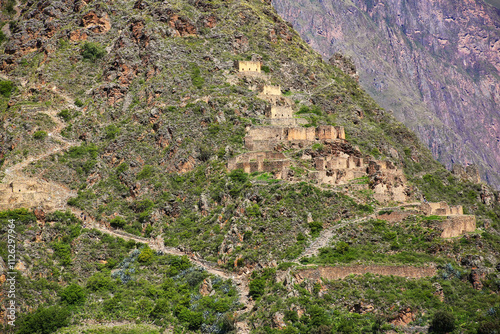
{"x": 194, "y": 166}
{"x": 436, "y": 64}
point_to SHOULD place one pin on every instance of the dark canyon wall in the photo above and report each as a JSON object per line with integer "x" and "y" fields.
{"x": 435, "y": 63}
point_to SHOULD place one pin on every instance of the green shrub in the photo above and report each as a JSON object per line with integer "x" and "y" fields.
{"x": 111, "y": 131}
{"x": 239, "y": 175}
{"x": 265, "y": 69}
{"x": 146, "y": 256}
{"x": 73, "y": 295}
{"x": 161, "y": 309}
{"x": 257, "y": 287}
{"x": 78, "y": 103}
{"x": 118, "y": 222}
{"x": 2, "y": 37}
{"x": 122, "y": 168}
{"x": 196, "y": 78}
{"x": 191, "y": 318}
{"x": 100, "y": 282}
{"x": 316, "y": 228}
{"x": 304, "y": 110}
{"x": 63, "y": 251}
{"x": 92, "y": 51}
{"x": 145, "y": 173}
{"x": 6, "y": 88}
{"x": 365, "y": 208}
{"x": 40, "y": 135}
{"x": 317, "y": 147}
{"x": 65, "y": 114}
{"x": 442, "y": 322}
{"x": 342, "y": 247}
{"x": 44, "y": 320}
{"x": 253, "y": 211}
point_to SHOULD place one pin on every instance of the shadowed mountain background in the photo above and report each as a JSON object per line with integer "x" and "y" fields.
{"x": 434, "y": 63}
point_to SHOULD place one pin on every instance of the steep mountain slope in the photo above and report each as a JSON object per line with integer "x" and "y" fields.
{"x": 436, "y": 64}
{"x": 122, "y": 124}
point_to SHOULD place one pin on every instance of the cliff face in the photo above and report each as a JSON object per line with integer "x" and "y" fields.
{"x": 436, "y": 64}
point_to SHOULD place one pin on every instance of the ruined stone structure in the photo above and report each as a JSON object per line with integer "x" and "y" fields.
{"x": 338, "y": 169}
{"x": 249, "y": 66}
{"x": 454, "y": 225}
{"x": 441, "y": 209}
{"x": 271, "y": 162}
{"x": 387, "y": 181}
{"x": 283, "y": 130}
{"x": 271, "y": 90}
{"x": 467, "y": 174}
{"x": 275, "y": 112}
{"x": 267, "y": 138}
{"x": 27, "y": 193}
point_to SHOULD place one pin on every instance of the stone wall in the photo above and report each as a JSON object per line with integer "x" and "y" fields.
{"x": 455, "y": 226}
{"x": 28, "y": 193}
{"x": 328, "y": 132}
{"x": 397, "y": 216}
{"x": 271, "y": 90}
{"x": 467, "y": 174}
{"x": 441, "y": 209}
{"x": 249, "y": 66}
{"x": 334, "y": 273}
{"x": 274, "y": 112}
{"x": 287, "y": 122}
{"x": 270, "y": 162}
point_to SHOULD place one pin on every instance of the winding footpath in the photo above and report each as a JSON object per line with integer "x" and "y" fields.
{"x": 326, "y": 235}
{"x": 241, "y": 281}
{"x": 16, "y": 172}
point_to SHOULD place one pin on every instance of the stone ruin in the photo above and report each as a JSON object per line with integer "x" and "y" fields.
{"x": 267, "y": 161}
{"x": 454, "y": 225}
{"x": 467, "y": 174}
{"x": 440, "y": 209}
{"x": 249, "y": 66}
{"x": 283, "y": 130}
{"x": 29, "y": 193}
{"x": 262, "y": 138}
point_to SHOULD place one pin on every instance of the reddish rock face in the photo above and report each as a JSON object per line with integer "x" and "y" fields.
{"x": 182, "y": 26}
{"x": 475, "y": 278}
{"x": 98, "y": 24}
{"x": 434, "y": 63}
{"x": 403, "y": 318}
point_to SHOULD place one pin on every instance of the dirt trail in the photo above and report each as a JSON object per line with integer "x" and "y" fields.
{"x": 241, "y": 281}
{"x": 15, "y": 172}
{"x": 326, "y": 235}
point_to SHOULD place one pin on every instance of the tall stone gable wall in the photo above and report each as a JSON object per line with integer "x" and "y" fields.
{"x": 275, "y": 112}
{"x": 249, "y": 66}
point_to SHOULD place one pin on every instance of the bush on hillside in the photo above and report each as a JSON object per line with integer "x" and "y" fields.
{"x": 92, "y": 51}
